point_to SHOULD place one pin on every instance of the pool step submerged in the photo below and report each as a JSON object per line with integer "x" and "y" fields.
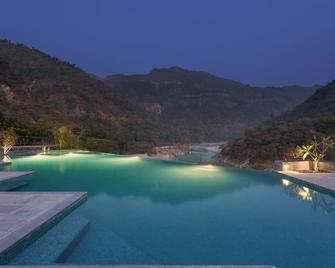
{"x": 56, "y": 244}
{"x": 112, "y": 249}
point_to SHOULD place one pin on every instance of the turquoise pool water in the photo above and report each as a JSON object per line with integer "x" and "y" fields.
{"x": 145, "y": 211}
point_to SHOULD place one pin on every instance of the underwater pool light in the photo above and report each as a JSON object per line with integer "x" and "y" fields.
{"x": 124, "y": 159}
{"x": 208, "y": 167}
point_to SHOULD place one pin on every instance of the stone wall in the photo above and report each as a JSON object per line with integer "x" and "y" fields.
{"x": 280, "y": 165}
{"x": 292, "y": 165}
{"x": 327, "y": 165}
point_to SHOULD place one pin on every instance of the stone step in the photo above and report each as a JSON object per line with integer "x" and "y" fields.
{"x": 10, "y": 180}
{"x": 54, "y": 245}
{"x": 12, "y": 185}
{"x": 113, "y": 249}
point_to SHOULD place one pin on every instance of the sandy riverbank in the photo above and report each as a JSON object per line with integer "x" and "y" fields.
{"x": 195, "y": 153}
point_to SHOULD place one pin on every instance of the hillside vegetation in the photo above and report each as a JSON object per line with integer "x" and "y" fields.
{"x": 277, "y": 139}
{"x": 35, "y": 87}
{"x": 204, "y": 107}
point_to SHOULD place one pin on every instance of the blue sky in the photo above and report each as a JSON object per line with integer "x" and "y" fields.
{"x": 260, "y": 42}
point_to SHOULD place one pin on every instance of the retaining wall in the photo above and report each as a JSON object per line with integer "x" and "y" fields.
{"x": 280, "y": 165}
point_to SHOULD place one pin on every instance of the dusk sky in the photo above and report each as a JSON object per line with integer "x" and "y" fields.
{"x": 260, "y": 42}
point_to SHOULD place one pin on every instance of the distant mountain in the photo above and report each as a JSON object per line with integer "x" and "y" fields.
{"x": 203, "y": 107}
{"x": 278, "y": 138}
{"x": 320, "y": 103}
{"x": 35, "y": 86}
{"x": 133, "y": 113}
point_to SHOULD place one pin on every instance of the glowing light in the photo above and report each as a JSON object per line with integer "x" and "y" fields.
{"x": 208, "y": 167}
{"x": 35, "y": 157}
{"x": 74, "y": 154}
{"x": 124, "y": 159}
{"x": 285, "y": 166}
{"x": 6, "y": 158}
{"x": 286, "y": 182}
{"x": 304, "y": 194}
{"x": 305, "y": 189}
{"x": 130, "y": 158}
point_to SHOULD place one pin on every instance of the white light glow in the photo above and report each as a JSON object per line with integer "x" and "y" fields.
{"x": 304, "y": 194}
{"x": 124, "y": 159}
{"x": 286, "y": 182}
{"x": 207, "y": 167}
{"x": 306, "y": 189}
{"x": 6, "y": 159}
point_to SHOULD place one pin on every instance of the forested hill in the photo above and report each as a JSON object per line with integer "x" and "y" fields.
{"x": 277, "y": 139}
{"x": 205, "y": 107}
{"x": 35, "y": 87}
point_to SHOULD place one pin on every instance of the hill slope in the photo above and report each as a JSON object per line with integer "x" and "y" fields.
{"x": 277, "y": 139}
{"x": 204, "y": 107}
{"x": 34, "y": 86}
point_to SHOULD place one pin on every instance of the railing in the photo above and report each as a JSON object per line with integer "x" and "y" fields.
{"x": 35, "y": 140}
{"x": 33, "y": 143}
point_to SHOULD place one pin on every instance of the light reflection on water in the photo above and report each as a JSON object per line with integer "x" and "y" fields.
{"x": 317, "y": 199}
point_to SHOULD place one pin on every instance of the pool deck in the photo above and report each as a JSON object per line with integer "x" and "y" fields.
{"x": 325, "y": 181}
{"x": 9, "y": 175}
{"x": 140, "y": 266}
{"x": 23, "y": 214}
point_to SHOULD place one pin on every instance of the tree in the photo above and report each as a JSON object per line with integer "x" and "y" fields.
{"x": 316, "y": 150}
{"x": 8, "y": 139}
{"x": 44, "y": 129}
{"x": 67, "y": 139}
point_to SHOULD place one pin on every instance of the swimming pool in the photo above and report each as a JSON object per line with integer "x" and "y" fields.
{"x": 145, "y": 211}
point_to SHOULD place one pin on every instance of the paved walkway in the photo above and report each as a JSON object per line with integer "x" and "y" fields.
{"x": 24, "y": 213}
{"x": 322, "y": 180}
{"x": 8, "y": 175}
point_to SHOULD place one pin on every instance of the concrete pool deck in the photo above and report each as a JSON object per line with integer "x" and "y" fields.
{"x": 325, "y": 181}
{"x": 9, "y": 175}
{"x": 10, "y": 180}
{"x": 23, "y": 214}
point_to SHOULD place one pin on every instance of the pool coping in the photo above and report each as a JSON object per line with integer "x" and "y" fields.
{"x": 11, "y": 175}
{"x": 22, "y": 236}
{"x": 308, "y": 181}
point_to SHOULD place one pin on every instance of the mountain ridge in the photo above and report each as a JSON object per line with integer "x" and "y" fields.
{"x": 213, "y": 107}
{"x": 175, "y": 69}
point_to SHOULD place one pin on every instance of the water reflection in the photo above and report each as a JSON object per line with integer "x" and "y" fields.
{"x": 318, "y": 200}
{"x": 125, "y": 176}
